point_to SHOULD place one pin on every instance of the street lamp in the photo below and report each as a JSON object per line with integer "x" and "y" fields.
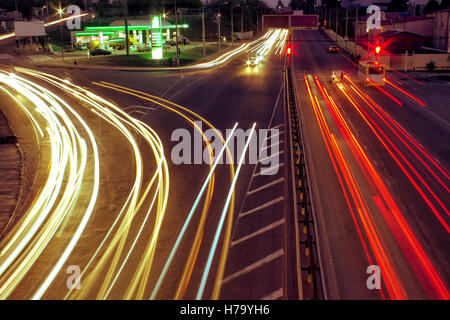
{"x": 60, "y": 12}
{"x": 176, "y": 32}
{"x": 218, "y": 22}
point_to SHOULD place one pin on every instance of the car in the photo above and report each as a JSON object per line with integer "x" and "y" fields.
{"x": 337, "y": 76}
{"x": 253, "y": 61}
{"x": 333, "y": 49}
{"x": 100, "y": 52}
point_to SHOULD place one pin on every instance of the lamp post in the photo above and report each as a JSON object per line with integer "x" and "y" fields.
{"x": 60, "y": 11}
{"x": 218, "y": 25}
{"x": 176, "y": 33}
{"x": 231, "y": 36}
{"x": 242, "y": 21}
{"x": 203, "y": 31}
{"x": 125, "y": 13}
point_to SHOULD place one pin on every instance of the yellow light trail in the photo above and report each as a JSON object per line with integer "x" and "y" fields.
{"x": 55, "y": 203}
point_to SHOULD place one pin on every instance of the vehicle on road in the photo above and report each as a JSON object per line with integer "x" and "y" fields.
{"x": 253, "y": 61}
{"x": 337, "y": 76}
{"x": 100, "y": 52}
{"x": 333, "y": 49}
{"x": 371, "y": 73}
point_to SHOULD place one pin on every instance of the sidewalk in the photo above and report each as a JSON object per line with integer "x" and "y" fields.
{"x": 10, "y": 174}
{"x": 135, "y": 62}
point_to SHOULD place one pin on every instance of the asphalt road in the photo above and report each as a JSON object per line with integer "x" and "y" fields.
{"x": 365, "y": 183}
{"x": 421, "y": 154}
{"x": 223, "y": 96}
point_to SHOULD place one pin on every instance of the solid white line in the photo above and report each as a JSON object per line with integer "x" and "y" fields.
{"x": 274, "y": 295}
{"x": 258, "y": 232}
{"x": 266, "y": 186}
{"x": 255, "y": 265}
{"x": 265, "y": 205}
{"x": 265, "y": 171}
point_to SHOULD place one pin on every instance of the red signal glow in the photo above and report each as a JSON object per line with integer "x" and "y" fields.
{"x": 289, "y": 50}
{"x": 377, "y": 50}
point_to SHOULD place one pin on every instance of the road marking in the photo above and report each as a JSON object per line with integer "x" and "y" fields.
{"x": 271, "y": 156}
{"x": 280, "y": 132}
{"x": 254, "y": 266}
{"x": 265, "y": 171}
{"x": 258, "y": 232}
{"x": 265, "y": 186}
{"x": 265, "y": 205}
{"x": 277, "y": 126}
{"x": 272, "y": 145}
{"x": 274, "y": 295}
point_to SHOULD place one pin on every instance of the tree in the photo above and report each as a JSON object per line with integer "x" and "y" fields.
{"x": 331, "y": 3}
{"x": 432, "y": 6}
{"x": 297, "y": 4}
{"x": 398, "y": 5}
{"x": 418, "y": 11}
{"x": 445, "y": 4}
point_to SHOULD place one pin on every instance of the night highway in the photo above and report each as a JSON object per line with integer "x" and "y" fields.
{"x": 270, "y": 170}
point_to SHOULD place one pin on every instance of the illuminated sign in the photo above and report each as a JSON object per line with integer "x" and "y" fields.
{"x": 157, "y": 41}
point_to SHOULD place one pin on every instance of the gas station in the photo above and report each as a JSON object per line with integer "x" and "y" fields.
{"x": 150, "y": 34}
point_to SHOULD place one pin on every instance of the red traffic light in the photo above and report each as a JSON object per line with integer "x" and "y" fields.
{"x": 289, "y": 50}
{"x": 377, "y": 50}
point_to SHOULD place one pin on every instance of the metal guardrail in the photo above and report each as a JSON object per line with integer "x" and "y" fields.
{"x": 309, "y": 275}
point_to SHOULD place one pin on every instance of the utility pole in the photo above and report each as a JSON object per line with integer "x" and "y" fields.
{"x": 346, "y": 23}
{"x": 125, "y": 13}
{"x": 257, "y": 20}
{"x": 176, "y": 33}
{"x": 232, "y": 26}
{"x": 203, "y": 30}
{"x": 218, "y": 25}
{"x": 337, "y": 17}
{"x": 356, "y": 30}
{"x": 60, "y": 24}
{"x": 242, "y": 21}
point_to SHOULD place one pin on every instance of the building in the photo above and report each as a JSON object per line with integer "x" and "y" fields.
{"x": 395, "y": 41}
{"x": 7, "y": 18}
{"x": 441, "y": 34}
{"x": 423, "y": 26}
{"x": 138, "y": 30}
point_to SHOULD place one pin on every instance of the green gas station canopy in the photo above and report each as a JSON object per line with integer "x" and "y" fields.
{"x": 122, "y": 28}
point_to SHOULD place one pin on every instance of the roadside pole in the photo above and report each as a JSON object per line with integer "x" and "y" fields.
{"x": 231, "y": 26}
{"x": 242, "y": 22}
{"x": 257, "y": 20}
{"x": 203, "y": 31}
{"x": 337, "y": 18}
{"x": 356, "y": 32}
{"x": 218, "y": 22}
{"x": 125, "y": 12}
{"x": 346, "y": 29}
{"x": 176, "y": 33}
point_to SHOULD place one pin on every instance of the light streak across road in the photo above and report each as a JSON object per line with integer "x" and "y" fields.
{"x": 74, "y": 171}
{"x": 361, "y": 203}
